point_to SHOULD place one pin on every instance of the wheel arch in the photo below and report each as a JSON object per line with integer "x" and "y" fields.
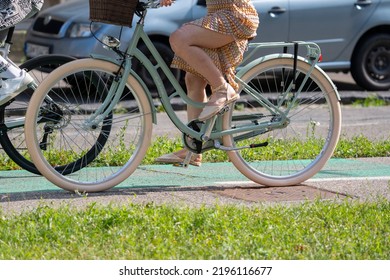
{"x": 375, "y": 30}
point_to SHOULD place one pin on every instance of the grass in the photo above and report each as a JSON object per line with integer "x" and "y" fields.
{"x": 311, "y": 230}
{"x": 371, "y": 101}
{"x": 361, "y": 146}
{"x": 357, "y": 146}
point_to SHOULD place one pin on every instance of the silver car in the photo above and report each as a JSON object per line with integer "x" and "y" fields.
{"x": 354, "y": 35}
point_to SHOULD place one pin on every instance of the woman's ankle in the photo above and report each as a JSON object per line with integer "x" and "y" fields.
{"x": 219, "y": 88}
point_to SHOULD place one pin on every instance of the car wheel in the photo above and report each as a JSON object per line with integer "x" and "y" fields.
{"x": 167, "y": 54}
{"x": 370, "y": 65}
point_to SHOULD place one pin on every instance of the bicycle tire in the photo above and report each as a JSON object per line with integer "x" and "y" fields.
{"x": 314, "y": 118}
{"x": 12, "y": 138}
{"x": 132, "y": 122}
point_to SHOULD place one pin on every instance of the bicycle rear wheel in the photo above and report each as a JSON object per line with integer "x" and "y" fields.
{"x": 297, "y": 150}
{"x": 79, "y": 89}
{"x": 12, "y": 114}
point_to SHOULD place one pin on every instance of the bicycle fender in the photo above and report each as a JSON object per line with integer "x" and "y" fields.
{"x": 139, "y": 80}
{"x": 247, "y": 67}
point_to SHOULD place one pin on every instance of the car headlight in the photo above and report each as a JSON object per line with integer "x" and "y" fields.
{"x": 82, "y": 30}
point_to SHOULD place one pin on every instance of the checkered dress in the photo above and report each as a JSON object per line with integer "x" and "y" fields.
{"x": 236, "y": 18}
{"x": 14, "y": 11}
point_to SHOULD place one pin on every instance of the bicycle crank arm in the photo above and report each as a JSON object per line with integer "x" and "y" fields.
{"x": 210, "y": 123}
{"x": 218, "y": 145}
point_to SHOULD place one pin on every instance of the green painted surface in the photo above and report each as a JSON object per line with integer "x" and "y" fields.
{"x": 208, "y": 175}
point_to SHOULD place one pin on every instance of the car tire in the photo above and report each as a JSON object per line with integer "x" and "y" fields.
{"x": 370, "y": 65}
{"x": 167, "y": 54}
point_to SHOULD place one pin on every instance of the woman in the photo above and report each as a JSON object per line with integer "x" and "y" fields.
{"x": 209, "y": 49}
{"x": 13, "y": 80}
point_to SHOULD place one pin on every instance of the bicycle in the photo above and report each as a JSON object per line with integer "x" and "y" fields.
{"x": 290, "y": 101}
{"x": 12, "y": 113}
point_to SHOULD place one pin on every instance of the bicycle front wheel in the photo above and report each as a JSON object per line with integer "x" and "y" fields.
{"x": 71, "y": 126}
{"x": 298, "y": 148}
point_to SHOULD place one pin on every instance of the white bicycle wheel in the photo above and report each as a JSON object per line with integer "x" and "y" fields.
{"x": 65, "y": 130}
{"x": 297, "y": 150}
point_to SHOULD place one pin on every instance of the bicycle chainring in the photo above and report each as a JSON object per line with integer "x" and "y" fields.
{"x": 194, "y": 145}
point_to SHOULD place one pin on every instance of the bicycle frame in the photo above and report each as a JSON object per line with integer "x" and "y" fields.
{"x": 110, "y": 115}
{"x": 313, "y": 52}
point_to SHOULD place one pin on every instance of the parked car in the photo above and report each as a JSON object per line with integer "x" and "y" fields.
{"x": 354, "y": 35}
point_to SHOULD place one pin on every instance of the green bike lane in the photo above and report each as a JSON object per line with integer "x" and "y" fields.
{"x": 336, "y": 177}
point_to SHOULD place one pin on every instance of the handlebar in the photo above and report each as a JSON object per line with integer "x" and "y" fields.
{"x": 143, "y": 5}
{"x": 149, "y": 4}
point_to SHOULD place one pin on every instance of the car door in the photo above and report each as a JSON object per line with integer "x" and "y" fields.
{"x": 273, "y": 15}
{"x": 274, "y": 18}
{"x": 333, "y": 24}
{"x": 198, "y": 8}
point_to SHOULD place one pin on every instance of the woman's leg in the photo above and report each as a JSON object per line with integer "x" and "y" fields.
{"x": 196, "y": 90}
{"x": 188, "y": 43}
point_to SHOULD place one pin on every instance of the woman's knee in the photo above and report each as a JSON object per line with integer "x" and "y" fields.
{"x": 176, "y": 42}
{"x": 179, "y": 40}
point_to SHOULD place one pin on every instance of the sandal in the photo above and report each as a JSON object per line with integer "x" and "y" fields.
{"x": 224, "y": 92}
{"x": 178, "y": 157}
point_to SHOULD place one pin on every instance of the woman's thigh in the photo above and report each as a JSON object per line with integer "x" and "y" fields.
{"x": 194, "y": 35}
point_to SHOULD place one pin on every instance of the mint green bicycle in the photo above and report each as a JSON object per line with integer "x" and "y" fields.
{"x": 287, "y": 104}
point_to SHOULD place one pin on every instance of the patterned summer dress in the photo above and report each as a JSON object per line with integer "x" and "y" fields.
{"x": 236, "y": 18}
